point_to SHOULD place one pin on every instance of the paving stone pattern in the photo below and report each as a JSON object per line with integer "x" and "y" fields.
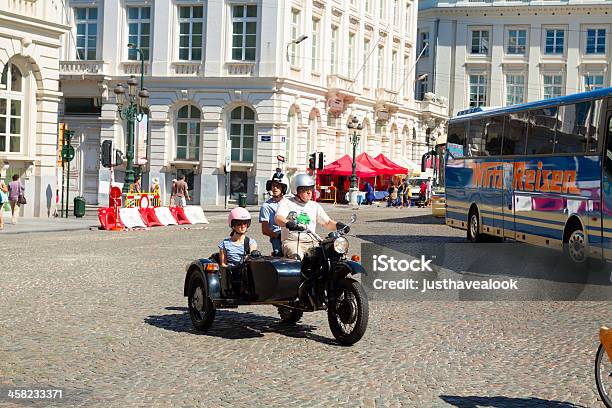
{"x": 102, "y": 315}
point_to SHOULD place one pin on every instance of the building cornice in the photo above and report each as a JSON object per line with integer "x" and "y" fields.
{"x": 525, "y": 9}
{"x": 33, "y": 23}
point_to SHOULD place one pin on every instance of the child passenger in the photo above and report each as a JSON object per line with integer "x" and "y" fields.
{"x": 232, "y": 249}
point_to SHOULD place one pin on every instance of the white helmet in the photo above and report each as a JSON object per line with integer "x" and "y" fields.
{"x": 278, "y": 178}
{"x": 301, "y": 180}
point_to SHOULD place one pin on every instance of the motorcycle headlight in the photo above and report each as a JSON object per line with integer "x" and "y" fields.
{"x": 341, "y": 245}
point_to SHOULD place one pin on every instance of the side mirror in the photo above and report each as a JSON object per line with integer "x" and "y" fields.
{"x": 292, "y": 216}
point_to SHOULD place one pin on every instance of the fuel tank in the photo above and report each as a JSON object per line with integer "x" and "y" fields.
{"x": 275, "y": 278}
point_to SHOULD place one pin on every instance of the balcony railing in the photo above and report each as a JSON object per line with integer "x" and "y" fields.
{"x": 385, "y": 95}
{"x": 340, "y": 83}
{"x": 81, "y": 67}
{"x": 133, "y": 68}
{"x": 187, "y": 68}
{"x": 240, "y": 68}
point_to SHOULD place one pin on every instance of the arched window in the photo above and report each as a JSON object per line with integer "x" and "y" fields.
{"x": 11, "y": 109}
{"x": 290, "y": 137}
{"x": 188, "y": 133}
{"x": 242, "y": 133}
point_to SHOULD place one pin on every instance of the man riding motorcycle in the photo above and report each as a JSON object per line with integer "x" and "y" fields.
{"x": 294, "y": 242}
{"x": 277, "y": 186}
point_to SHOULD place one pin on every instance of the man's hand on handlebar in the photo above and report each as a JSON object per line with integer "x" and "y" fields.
{"x": 340, "y": 226}
{"x": 294, "y": 226}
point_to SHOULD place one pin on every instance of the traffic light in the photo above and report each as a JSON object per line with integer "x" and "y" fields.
{"x": 312, "y": 161}
{"x": 107, "y": 152}
{"x": 320, "y": 163}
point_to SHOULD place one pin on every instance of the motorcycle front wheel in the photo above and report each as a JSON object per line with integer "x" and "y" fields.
{"x": 348, "y": 314}
{"x": 201, "y": 307}
{"x": 603, "y": 376}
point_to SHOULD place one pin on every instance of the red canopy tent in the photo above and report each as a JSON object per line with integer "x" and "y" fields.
{"x": 381, "y": 158}
{"x": 344, "y": 167}
{"x": 380, "y": 168}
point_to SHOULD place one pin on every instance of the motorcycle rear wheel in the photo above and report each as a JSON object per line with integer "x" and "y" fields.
{"x": 348, "y": 315}
{"x": 201, "y": 308}
{"x": 288, "y": 315}
{"x": 603, "y": 376}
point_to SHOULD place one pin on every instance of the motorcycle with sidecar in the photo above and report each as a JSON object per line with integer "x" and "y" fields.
{"x": 322, "y": 280}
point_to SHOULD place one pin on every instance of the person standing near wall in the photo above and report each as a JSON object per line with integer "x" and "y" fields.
{"x": 180, "y": 192}
{"x": 3, "y": 200}
{"x": 16, "y": 191}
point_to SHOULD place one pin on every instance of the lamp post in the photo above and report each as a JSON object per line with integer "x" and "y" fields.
{"x": 355, "y": 126}
{"x": 131, "y": 107}
{"x": 294, "y": 42}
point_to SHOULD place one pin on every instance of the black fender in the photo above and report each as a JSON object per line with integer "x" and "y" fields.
{"x": 347, "y": 267}
{"x": 210, "y": 278}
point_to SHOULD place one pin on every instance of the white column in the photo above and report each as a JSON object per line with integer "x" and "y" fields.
{"x": 110, "y": 27}
{"x": 572, "y": 74}
{"x": 164, "y": 15}
{"x": 496, "y": 89}
{"x": 534, "y": 83}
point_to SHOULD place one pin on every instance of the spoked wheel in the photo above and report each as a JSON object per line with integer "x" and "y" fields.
{"x": 348, "y": 315}
{"x": 201, "y": 307}
{"x": 473, "y": 231}
{"x": 603, "y": 376}
{"x": 288, "y": 315}
{"x": 577, "y": 247}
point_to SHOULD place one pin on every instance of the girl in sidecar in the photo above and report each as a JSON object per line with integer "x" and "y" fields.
{"x": 233, "y": 249}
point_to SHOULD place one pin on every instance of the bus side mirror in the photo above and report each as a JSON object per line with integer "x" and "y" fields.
{"x": 424, "y": 163}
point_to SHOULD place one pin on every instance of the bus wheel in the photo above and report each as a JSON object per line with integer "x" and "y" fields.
{"x": 473, "y": 230}
{"x": 576, "y": 247}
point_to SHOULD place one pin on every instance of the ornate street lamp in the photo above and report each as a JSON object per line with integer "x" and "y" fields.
{"x": 355, "y": 126}
{"x": 132, "y": 106}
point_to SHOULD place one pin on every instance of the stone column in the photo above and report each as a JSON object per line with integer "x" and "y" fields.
{"x": 212, "y": 177}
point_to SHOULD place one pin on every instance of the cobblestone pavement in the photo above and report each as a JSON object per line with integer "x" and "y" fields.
{"x": 102, "y": 315}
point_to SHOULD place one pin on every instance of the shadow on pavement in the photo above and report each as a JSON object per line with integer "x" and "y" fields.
{"x": 391, "y": 240}
{"x": 503, "y": 402}
{"x": 233, "y": 325}
{"x": 419, "y": 219}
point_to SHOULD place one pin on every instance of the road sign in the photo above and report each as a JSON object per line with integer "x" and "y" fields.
{"x": 280, "y": 158}
{"x": 67, "y": 153}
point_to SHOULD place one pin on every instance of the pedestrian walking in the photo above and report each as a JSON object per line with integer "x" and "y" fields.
{"x": 16, "y": 197}
{"x": 137, "y": 185}
{"x": 429, "y": 191}
{"x": 172, "y": 197}
{"x": 3, "y": 201}
{"x": 180, "y": 192}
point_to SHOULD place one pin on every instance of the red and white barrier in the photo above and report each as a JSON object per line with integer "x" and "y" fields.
{"x": 131, "y": 218}
{"x": 149, "y": 217}
{"x": 165, "y": 216}
{"x": 195, "y": 214}
{"x": 179, "y": 215}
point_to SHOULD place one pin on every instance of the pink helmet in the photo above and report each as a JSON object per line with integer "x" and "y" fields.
{"x": 238, "y": 213}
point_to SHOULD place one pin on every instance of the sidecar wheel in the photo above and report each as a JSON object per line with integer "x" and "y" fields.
{"x": 348, "y": 315}
{"x": 201, "y": 307}
{"x": 288, "y": 315}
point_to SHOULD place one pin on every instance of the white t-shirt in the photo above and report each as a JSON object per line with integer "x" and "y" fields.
{"x": 312, "y": 210}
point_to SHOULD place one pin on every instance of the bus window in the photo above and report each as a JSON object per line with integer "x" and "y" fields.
{"x": 515, "y": 134}
{"x": 493, "y": 135}
{"x": 593, "y": 131}
{"x": 573, "y": 128}
{"x": 475, "y": 137}
{"x": 608, "y": 155}
{"x": 542, "y": 124}
{"x": 456, "y": 137}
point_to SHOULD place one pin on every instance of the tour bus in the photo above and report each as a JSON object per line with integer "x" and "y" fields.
{"x": 538, "y": 172}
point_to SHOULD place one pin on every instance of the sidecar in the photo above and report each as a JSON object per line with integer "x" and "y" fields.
{"x": 260, "y": 280}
